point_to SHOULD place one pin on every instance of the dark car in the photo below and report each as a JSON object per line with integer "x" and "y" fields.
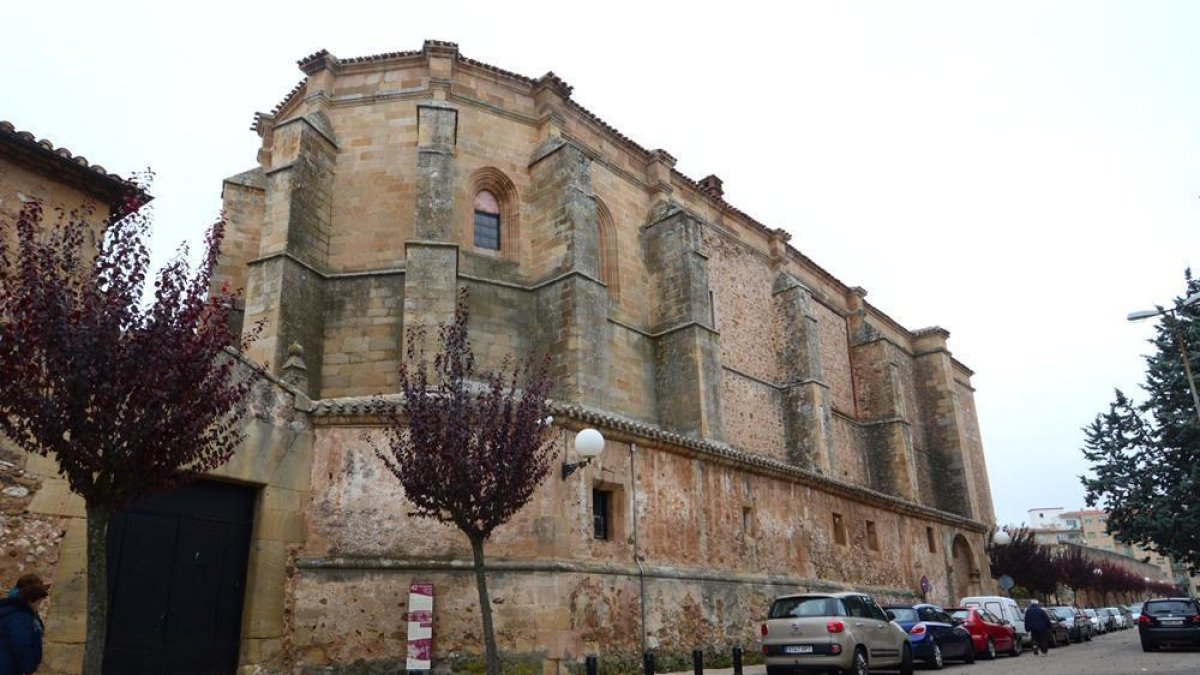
{"x": 1174, "y": 621}
{"x": 1059, "y": 633}
{"x": 1079, "y": 628}
{"x": 988, "y": 633}
{"x": 935, "y": 636}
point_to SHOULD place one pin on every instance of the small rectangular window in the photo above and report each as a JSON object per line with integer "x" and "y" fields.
{"x": 487, "y": 230}
{"x": 872, "y": 536}
{"x": 601, "y": 514}
{"x": 839, "y": 530}
{"x": 931, "y": 540}
{"x": 747, "y": 522}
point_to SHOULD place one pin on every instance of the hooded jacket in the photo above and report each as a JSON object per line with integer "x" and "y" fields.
{"x": 1036, "y": 618}
{"x": 20, "y": 637}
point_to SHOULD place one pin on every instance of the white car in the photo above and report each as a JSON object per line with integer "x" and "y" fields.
{"x": 1119, "y": 619}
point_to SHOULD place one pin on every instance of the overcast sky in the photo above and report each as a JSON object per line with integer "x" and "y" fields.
{"x": 1023, "y": 174}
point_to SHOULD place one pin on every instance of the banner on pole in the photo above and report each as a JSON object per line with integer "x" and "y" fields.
{"x": 420, "y": 628}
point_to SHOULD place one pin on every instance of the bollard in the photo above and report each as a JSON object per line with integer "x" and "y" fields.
{"x": 648, "y": 663}
{"x": 592, "y": 666}
{"x": 737, "y": 661}
{"x": 698, "y": 661}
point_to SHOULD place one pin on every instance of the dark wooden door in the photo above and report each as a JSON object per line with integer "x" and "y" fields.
{"x": 176, "y": 578}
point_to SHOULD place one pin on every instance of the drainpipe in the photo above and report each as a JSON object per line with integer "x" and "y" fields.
{"x": 637, "y": 558}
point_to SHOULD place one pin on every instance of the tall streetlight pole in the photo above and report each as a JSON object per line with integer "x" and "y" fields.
{"x": 1169, "y": 316}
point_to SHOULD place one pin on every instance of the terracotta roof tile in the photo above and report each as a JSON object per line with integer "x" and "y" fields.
{"x": 113, "y": 183}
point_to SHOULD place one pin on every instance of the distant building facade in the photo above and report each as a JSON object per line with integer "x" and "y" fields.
{"x": 1089, "y": 528}
{"x": 768, "y": 430}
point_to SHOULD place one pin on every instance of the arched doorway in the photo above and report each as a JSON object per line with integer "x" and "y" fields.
{"x": 964, "y": 574}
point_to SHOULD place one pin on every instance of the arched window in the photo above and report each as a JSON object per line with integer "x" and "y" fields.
{"x": 609, "y": 270}
{"x": 487, "y": 220}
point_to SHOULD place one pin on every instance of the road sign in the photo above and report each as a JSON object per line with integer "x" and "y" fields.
{"x": 1006, "y": 582}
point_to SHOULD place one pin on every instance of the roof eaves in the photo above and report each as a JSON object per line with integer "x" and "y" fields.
{"x": 121, "y": 194}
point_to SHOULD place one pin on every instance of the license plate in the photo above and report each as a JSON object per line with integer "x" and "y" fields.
{"x": 1172, "y": 622}
{"x": 797, "y": 649}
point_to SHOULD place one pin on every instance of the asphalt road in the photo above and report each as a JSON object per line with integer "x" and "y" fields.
{"x": 1117, "y": 653}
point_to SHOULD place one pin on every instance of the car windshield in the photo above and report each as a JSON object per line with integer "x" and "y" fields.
{"x": 904, "y": 613}
{"x": 805, "y": 606}
{"x": 962, "y": 614}
{"x": 1170, "y": 608}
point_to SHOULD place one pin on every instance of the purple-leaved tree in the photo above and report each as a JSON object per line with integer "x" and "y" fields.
{"x": 469, "y": 446}
{"x": 128, "y": 397}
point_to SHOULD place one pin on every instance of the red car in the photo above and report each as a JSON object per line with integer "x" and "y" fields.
{"x": 988, "y": 633}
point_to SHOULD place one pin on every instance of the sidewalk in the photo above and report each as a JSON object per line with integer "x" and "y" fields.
{"x": 745, "y": 670}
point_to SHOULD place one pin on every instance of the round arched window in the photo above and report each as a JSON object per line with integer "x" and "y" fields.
{"x": 487, "y": 220}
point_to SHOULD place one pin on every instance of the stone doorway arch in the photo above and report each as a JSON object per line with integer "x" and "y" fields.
{"x": 964, "y": 572}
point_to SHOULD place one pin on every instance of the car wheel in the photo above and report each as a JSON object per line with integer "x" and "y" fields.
{"x": 1149, "y": 646}
{"x": 1016, "y": 649}
{"x": 859, "y": 665}
{"x": 906, "y": 660}
{"x": 937, "y": 661}
{"x": 990, "y": 652}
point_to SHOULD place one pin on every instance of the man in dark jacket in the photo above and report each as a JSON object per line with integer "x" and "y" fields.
{"x": 1037, "y": 622}
{"x": 21, "y": 631}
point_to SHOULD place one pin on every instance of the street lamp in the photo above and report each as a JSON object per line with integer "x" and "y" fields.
{"x": 1169, "y": 315}
{"x": 1001, "y": 538}
{"x": 589, "y": 443}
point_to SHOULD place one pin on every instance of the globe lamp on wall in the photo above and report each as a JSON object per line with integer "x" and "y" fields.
{"x": 589, "y": 443}
{"x": 1001, "y": 538}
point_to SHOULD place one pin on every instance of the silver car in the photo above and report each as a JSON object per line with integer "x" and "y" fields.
{"x": 820, "y": 632}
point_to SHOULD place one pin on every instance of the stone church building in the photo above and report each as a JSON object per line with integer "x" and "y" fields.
{"x": 767, "y": 429}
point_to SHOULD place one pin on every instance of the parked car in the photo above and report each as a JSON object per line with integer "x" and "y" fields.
{"x": 1173, "y": 621}
{"x": 935, "y": 636}
{"x": 989, "y": 633}
{"x": 1059, "y": 633}
{"x": 1003, "y": 608}
{"x": 1135, "y": 611}
{"x": 1119, "y": 620}
{"x": 1078, "y": 626}
{"x": 1106, "y": 618}
{"x": 1099, "y": 626}
{"x": 1130, "y": 622}
{"x": 832, "y": 631}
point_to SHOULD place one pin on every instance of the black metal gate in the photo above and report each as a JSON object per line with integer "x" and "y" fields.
{"x": 176, "y": 579}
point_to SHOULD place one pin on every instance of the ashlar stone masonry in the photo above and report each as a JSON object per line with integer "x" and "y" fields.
{"x": 768, "y": 429}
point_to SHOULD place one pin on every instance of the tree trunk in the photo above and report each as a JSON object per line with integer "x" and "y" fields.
{"x": 485, "y": 609}
{"x": 97, "y": 588}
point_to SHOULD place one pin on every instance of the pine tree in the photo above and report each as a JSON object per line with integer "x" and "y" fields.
{"x": 1145, "y": 456}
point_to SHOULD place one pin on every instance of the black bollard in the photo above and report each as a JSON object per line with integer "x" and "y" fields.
{"x": 698, "y": 661}
{"x": 737, "y": 661}
{"x": 648, "y": 663}
{"x": 593, "y": 667}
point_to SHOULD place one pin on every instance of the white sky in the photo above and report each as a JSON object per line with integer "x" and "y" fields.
{"x": 1020, "y": 173}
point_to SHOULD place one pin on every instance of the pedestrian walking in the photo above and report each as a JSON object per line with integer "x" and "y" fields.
{"x": 23, "y": 581}
{"x": 21, "y": 629}
{"x": 1037, "y": 622}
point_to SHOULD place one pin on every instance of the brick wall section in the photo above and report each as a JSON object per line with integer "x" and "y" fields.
{"x": 835, "y": 358}
{"x": 741, "y": 284}
{"x": 374, "y": 191}
{"x": 692, "y": 515}
{"x": 754, "y": 414}
{"x": 364, "y": 324}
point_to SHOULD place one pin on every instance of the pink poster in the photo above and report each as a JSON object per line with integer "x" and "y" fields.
{"x": 420, "y": 627}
